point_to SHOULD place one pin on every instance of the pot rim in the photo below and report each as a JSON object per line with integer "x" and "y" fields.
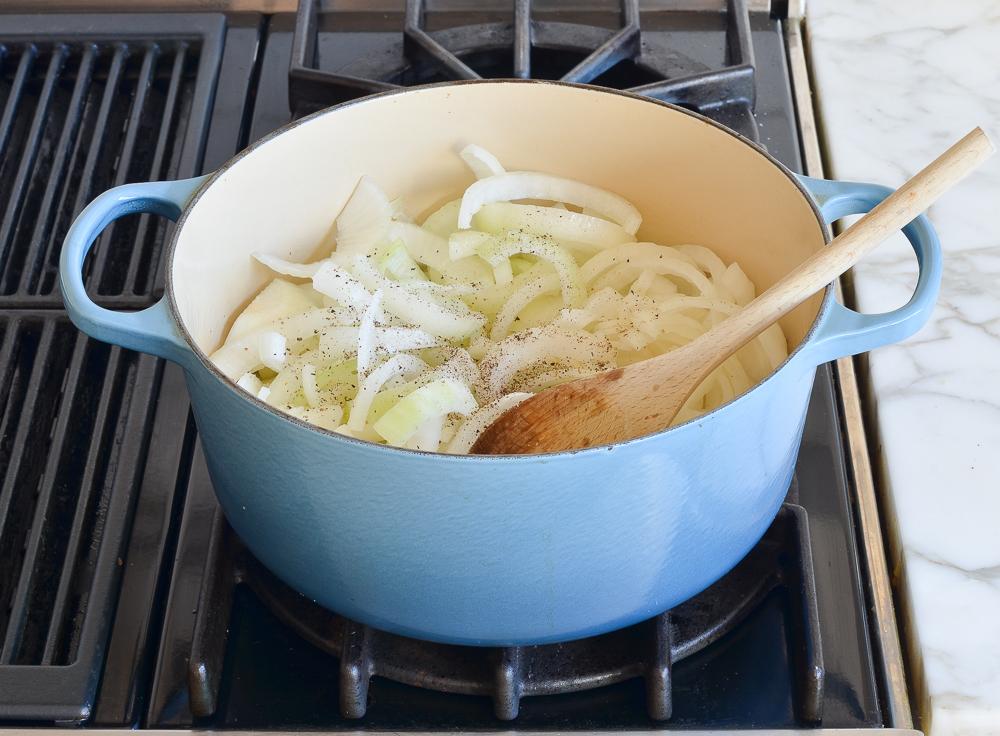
{"x": 390, "y": 449}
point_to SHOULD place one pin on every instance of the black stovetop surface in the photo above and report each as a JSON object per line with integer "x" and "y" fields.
{"x": 107, "y": 518}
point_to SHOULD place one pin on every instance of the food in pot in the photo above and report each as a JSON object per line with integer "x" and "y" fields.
{"x": 420, "y": 335}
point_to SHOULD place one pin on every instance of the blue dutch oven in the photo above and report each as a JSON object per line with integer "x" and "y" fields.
{"x": 494, "y": 550}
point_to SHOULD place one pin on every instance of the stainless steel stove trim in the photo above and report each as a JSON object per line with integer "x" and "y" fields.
{"x": 884, "y": 631}
{"x": 767, "y": 732}
{"x": 369, "y": 6}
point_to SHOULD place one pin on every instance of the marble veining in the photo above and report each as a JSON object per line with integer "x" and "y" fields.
{"x": 897, "y": 82}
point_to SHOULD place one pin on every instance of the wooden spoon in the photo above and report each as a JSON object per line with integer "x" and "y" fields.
{"x": 644, "y": 397}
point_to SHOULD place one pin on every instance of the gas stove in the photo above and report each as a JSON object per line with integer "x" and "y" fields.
{"x": 125, "y": 599}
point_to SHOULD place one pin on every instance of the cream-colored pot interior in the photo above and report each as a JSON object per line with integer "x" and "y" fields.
{"x": 692, "y": 181}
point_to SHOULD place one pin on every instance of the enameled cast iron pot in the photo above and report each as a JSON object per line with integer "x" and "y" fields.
{"x": 494, "y": 550}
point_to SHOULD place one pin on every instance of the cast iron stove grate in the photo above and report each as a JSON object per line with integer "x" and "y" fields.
{"x": 648, "y": 650}
{"x": 85, "y": 107}
{"x": 543, "y": 49}
{"x": 86, "y": 102}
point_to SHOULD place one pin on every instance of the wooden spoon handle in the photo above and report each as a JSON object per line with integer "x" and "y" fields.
{"x": 898, "y": 209}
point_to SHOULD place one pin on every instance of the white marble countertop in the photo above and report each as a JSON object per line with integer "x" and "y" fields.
{"x": 897, "y": 83}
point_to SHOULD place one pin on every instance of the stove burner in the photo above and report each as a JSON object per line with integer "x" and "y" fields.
{"x": 529, "y": 48}
{"x": 783, "y": 558}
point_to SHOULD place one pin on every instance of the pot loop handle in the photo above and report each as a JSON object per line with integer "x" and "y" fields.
{"x": 150, "y": 330}
{"x": 845, "y": 332}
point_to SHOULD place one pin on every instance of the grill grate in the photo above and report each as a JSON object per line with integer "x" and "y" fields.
{"x": 78, "y": 118}
{"x": 72, "y": 435}
{"x": 783, "y": 559}
{"x": 54, "y": 499}
{"x": 81, "y": 110}
{"x": 528, "y": 48}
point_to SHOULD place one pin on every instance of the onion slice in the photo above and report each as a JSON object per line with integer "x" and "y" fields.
{"x": 271, "y": 350}
{"x": 452, "y": 321}
{"x": 309, "y": 388}
{"x": 250, "y": 383}
{"x": 534, "y": 185}
{"x": 366, "y": 334}
{"x": 363, "y": 222}
{"x": 336, "y": 283}
{"x": 436, "y": 399}
{"x": 288, "y": 268}
{"x": 530, "y": 290}
{"x": 498, "y": 252}
{"x": 551, "y": 344}
{"x": 398, "y": 365}
{"x": 483, "y": 163}
{"x": 660, "y": 259}
{"x": 479, "y": 420}
{"x": 574, "y": 229}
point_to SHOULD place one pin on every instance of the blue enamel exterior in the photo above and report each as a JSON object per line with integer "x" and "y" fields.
{"x": 500, "y": 550}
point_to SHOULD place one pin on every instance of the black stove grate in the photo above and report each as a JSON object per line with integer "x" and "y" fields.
{"x": 72, "y": 432}
{"x": 81, "y": 115}
{"x": 529, "y": 48}
{"x": 86, "y": 102}
{"x": 783, "y": 559}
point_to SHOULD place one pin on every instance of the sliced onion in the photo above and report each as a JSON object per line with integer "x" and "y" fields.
{"x": 479, "y": 420}
{"x": 436, "y": 399}
{"x": 502, "y": 248}
{"x": 601, "y": 305}
{"x": 775, "y": 346}
{"x": 431, "y": 250}
{"x": 524, "y": 349}
{"x": 572, "y": 228}
{"x": 271, "y": 349}
{"x": 250, "y": 383}
{"x": 366, "y": 334}
{"x": 237, "y": 358}
{"x": 336, "y": 283}
{"x": 736, "y": 283}
{"x": 340, "y": 342}
{"x": 444, "y": 220}
{"x": 706, "y": 259}
{"x": 288, "y": 268}
{"x": 659, "y": 259}
{"x": 286, "y": 387}
{"x": 420, "y": 309}
{"x": 483, "y": 163}
{"x": 618, "y": 277}
{"x": 309, "y": 389}
{"x": 277, "y": 300}
{"x": 460, "y": 367}
{"x": 401, "y": 266}
{"x": 398, "y": 339}
{"x": 363, "y": 222}
{"x": 478, "y": 346}
{"x": 465, "y": 243}
{"x": 428, "y": 437}
{"x": 398, "y": 365}
{"x": 564, "y": 374}
{"x": 346, "y": 338}
{"x": 503, "y": 273}
{"x": 327, "y": 417}
{"x": 530, "y": 290}
{"x": 534, "y": 185}
{"x": 443, "y": 289}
